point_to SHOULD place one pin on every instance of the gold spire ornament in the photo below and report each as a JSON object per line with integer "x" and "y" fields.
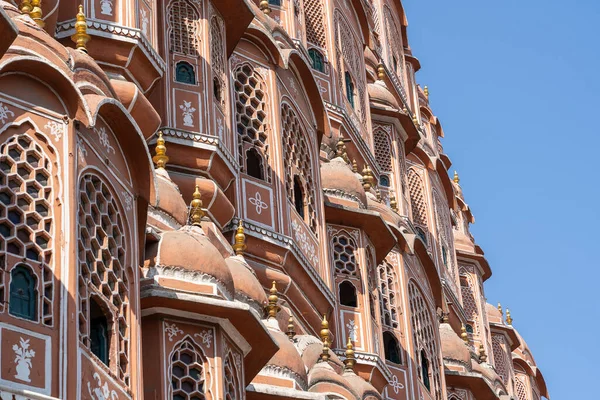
{"x": 272, "y": 307}
{"x": 264, "y": 6}
{"x": 240, "y": 239}
{"x": 482, "y": 355}
{"x": 25, "y": 7}
{"x": 456, "y": 179}
{"x": 36, "y": 13}
{"x": 350, "y": 358}
{"x": 196, "y": 212}
{"x": 325, "y": 339}
{"x": 464, "y": 335}
{"x": 291, "y": 331}
{"x": 80, "y": 37}
{"x": 160, "y": 159}
{"x": 354, "y": 166}
{"x": 393, "y": 202}
{"x": 378, "y": 194}
{"x": 509, "y": 319}
{"x": 368, "y": 179}
{"x": 380, "y": 72}
{"x": 426, "y": 91}
{"x": 415, "y": 120}
{"x": 500, "y": 309}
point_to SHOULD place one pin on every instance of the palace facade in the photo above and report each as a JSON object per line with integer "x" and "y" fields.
{"x": 235, "y": 199}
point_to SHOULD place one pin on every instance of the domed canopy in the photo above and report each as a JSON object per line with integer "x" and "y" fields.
{"x": 381, "y": 96}
{"x": 363, "y": 388}
{"x": 493, "y": 314}
{"x": 323, "y": 378}
{"x": 168, "y": 198}
{"x": 338, "y": 180}
{"x": 453, "y": 347}
{"x": 386, "y": 212}
{"x": 287, "y": 358}
{"x": 190, "y": 250}
{"x": 247, "y": 287}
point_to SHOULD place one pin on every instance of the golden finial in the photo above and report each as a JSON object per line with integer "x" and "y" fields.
{"x": 196, "y": 212}
{"x": 264, "y": 6}
{"x": 272, "y": 307}
{"x": 380, "y": 72}
{"x": 25, "y": 7}
{"x": 415, "y": 120}
{"x": 393, "y": 202}
{"x": 80, "y": 37}
{"x": 456, "y": 179}
{"x": 464, "y": 335}
{"x": 36, "y": 12}
{"x": 445, "y": 317}
{"x": 354, "y": 166}
{"x": 426, "y": 90}
{"x": 325, "y": 339}
{"x": 378, "y": 194}
{"x": 405, "y": 110}
{"x": 482, "y": 355}
{"x": 160, "y": 159}
{"x": 366, "y": 178}
{"x": 350, "y": 359}
{"x": 509, "y": 319}
{"x": 291, "y": 331}
{"x": 339, "y": 147}
{"x": 240, "y": 239}
{"x": 500, "y": 308}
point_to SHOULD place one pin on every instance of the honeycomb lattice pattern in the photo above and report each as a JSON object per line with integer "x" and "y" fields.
{"x": 417, "y": 198}
{"x": 521, "y": 389}
{"x": 423, "y": 335}
{"x": 469, "y": 302}
{"x": 102, "y": 264}
{"x": 343, "y": 255}
{"x": 231, "y": 379}
{"x": 500, "y": 357}
{"x": 383, "y": 150}
{"x": 184, "y": 28}
{"x": 297, "y": 162}
{"x": 217, "y": 53}
{"x": 394, "y": 39}
{"x": 251, "y": 110}
{"x": 388, "y": 285}
{"x": 26, "y": 212}
{"x": 315, "y": 26}
{"x": 187, "y": 373}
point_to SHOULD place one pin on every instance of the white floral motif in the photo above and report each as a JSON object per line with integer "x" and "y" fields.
{"x": 187, "y": 111}
{"x": 172, "y": 330}
{"x": 81, "y": 148}
{"x": 106, "y": 7}
{"x": 4, "y": 111}
{"x": 145, "y": 21}
{"x": 352, "y": 330}
{"x": 206, "y": 337}
{"x": 128, "y": 200}
{"x": 103, "y": 136}
{"x": 293, "y": 86}
{"x": 396, "y": 385}
{"x": 220, "y": 127}
{"x": 102, "y": 392}
{"x": 302, "y": 240}
{"x": 55, "y": 129}
{"x": 23, "y": 358}
{"x": 237, "y": 359}
{"x": 258, "y": 203}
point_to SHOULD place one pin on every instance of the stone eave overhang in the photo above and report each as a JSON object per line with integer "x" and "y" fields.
{"x": 473, "y": 381}
{"x": 486, "y": 271}
{"x": 508, "y": 331}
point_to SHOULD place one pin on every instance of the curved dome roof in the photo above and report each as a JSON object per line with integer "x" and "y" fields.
{"x": 486, "y": 370}
{"x": 288, "y": 358}
{"x": 337, "y": 176}
{"x": 386, "y": 212}
{"x": 189, "y": 249}
{"x": 493, "y": 314}
{"x": 311, "y": 348}
{"x": 247, "y": 286}
{"x": 168, "y": 198}
{"x": 453, "y": 347}
{"x": 323, "y": 373}
{"x": 379, "y": 94}
{"x": 363, "y": 388}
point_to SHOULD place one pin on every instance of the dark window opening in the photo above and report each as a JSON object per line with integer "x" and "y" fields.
{"x": 217, "y": 92}
{"x": 421, "y": 234}
{"x": 99, "y": 335}
{"x": 384, "y": 180}
{"x": 395, "y": 61}
{"x": 444, "y": 256}
{"x": 425, "y": 370}
{"x": 23, "y": 296}
{"x": 469, "y": 328}
{"x": 184, "y": 73}
{"x": 349, "y": 89}
{"x": 254, "y": 164}
{"x": 275, "y": 2}
{"x": 317, "y": 59}
{"x": 348, "y": 294}
{"x": 298, "y": 196}
{"x": 391, "y": 348}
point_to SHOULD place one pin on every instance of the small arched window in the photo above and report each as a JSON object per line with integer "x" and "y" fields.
{"x": 318, "y": 62}
{"x": 445, "y": 256}
{"x": 469, "y": 328}
{"x": 425, "y": 370}
{"x": 391, "y": 348}
{"x": 217, "y": 90}
{"x": 349, "y": 88}
{"x": 421, "y": 234}
{"x": 184, "y": 73}
{"x": 298, "y": 196}
{"x": 348, "y": 294}
{"x": 254, "y": 164}
{"x": 384, "y": 180}
{"x": 99, "y": 332}
{"x": 275, "y": 2}
{"x": 23, "y": 296}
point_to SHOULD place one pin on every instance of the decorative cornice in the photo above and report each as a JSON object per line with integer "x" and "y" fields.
{"x": 369, "y": 359}
{"x": 344, "y": 195}
{"x": 188, "y": 276}
{"x": 286, "y": 373}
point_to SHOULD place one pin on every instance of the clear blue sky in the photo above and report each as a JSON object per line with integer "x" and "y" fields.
{"x": 516, "y": 85}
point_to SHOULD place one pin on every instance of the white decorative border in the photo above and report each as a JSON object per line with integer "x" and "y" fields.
{"x": 270, "y": 190}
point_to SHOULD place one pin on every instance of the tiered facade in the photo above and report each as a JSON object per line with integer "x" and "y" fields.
{"x": 235, "y": 199}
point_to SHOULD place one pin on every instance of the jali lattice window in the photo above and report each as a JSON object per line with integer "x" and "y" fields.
{"x": 217, "y": 58}
{"x": 423, "y": 329}
{"x": 315, "y": 27}
{"x": 500, "y": 357}
{"x": 389, "y": 288}
{"x": 343, "y": 254}
{"x": 417, "y": 199}
{"x": 251, "y": 117}
{"x": 383, "y": 150}
{"x": 184, "y": 28}
{"x": 26, "y": 218}
{"x": 468, "y": 298}
{"x": 521, "y": 389}
{"x": 102, "y": 271}
{"x": 187, "y": 372}
{"x": 298, "y": 168}
{"x": 231, "y": 379}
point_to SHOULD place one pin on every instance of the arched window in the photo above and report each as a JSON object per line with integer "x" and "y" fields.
{"x": 425, "y": 370}
{"x": 391, "y": 348}
{"x": 184, "y": 73}
{"x": 417, "y": 198}
{"x": 254, "y": 164}
{"x": 184, "y": 34}
{"x": 349, "y": 88}
{"x": 231, "y": 379}
{"x": 383, "y": 149}
{"x": 298, "y": 196}
{"x": 421, "y": 233}
{"x": 388, "y": 287}
{"x": 23, "y": 295}
{"x": 187, "y": 372}
{"x": 348, "y": 294}
{"x": 469, "y": 328}
{"x": 384, "y": 181}
{"x": 469, "y": 298}
{"x": 318, "y": 62}
{"x": 99, "y": 331}
{"x": 343, "y": 255}
{"x": 217, "y": 58}
{"x": 275, "y": 2}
